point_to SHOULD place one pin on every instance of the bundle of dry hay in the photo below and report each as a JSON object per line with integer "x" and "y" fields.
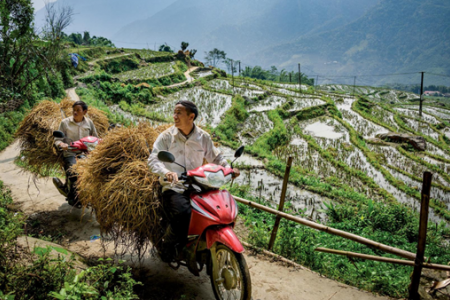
{"x": 35, "y": 133}
{"x": 116, "y": 182}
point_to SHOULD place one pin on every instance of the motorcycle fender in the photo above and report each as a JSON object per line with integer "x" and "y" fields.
{"x": 224, "y": 235}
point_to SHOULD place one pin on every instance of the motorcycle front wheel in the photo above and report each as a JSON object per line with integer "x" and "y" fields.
{"x": 231, "y": 280}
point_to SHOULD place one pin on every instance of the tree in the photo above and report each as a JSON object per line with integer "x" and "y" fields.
{"x": 215, "y": 56}
{"x": 193, "y": 52}
{"x": 165, "y": 48}
{"x": 57, "y": 19}
{"x": 24, "y": 58}
{"x": 184, "y": 46}
{"x": 86, "y": 38}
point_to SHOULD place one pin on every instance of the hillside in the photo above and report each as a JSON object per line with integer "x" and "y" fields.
{"x": 342, "y": 174}
{"x": 394, "y": 36}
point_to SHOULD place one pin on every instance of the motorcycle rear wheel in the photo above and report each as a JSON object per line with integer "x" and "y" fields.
{"x": 232, "y": 278}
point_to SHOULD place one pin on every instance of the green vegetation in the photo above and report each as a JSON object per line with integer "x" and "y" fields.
{"x": 233, "y": 118}
{"x": 87, "y": 40}
{"x": 42, "y": 274}
{"x": 391, "y": 224}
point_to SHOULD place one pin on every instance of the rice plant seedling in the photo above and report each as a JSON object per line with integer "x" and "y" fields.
{"x": 255, "y": 125}
{"x": 211, "y": 105}
{"x": 155, "y": 70}
{"x": 362, "y": 126}
{"x": 270, "y": 103}
{"x": 415, "y": 114}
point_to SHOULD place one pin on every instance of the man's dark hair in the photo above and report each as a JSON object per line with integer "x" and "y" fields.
{"x": 190, "y": 106}
{"x": 81, "y": 103}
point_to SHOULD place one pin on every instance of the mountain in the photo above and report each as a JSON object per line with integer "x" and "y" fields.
{"x": 239, "y": 27}
{"x": 106, "y": 17}
{"x": 395, "y": 36}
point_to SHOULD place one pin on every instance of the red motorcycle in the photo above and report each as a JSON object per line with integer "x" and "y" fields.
{"x": 211, "y": 239}
{"x": 81, "y": 148}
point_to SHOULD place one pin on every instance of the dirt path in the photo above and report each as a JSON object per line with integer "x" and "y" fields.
{"x": 72, "y": 95}
{"x": 270, "y": 280}
{"x": 188, "y": 76}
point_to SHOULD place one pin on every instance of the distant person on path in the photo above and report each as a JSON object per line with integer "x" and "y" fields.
{"x": 74, "y": 128}
{"x": 190, "y": 145}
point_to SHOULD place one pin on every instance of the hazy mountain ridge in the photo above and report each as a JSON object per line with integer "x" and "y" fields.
{"x": 394, "y": 36}
{"x": 241, "y": 27}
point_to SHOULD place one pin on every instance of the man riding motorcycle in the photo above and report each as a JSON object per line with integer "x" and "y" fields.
{"x": 190, "y": 145}
{"x": 74, "y": 128}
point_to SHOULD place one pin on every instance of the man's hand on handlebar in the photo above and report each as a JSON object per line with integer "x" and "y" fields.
{"x": 172, "y": 177}
{"x": 236, "y": 173}
{"x": 63, "y": 146}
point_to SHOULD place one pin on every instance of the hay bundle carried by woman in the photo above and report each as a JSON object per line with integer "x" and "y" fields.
{"x": 117, "y": 183}
{"x": 35, "y": 133}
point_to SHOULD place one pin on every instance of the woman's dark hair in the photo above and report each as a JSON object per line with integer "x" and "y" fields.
{"x": 190, "y": 107}
{"x": 81, "y": 103}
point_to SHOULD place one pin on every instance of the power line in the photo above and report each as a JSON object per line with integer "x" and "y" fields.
{"x": 437, "y": 74}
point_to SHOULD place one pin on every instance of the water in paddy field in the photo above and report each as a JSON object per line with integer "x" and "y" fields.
{"x": 320, "y": 129}
{"x": 204, "y": 74}
{"x": 437, "y": 151}
{"x": 270, "y": 103}
{"x": 256, "y": 125}
{"x": 422, "y": 127}
{"x": 136, "y": 119}
{"x": 392, "y": 157}
{"x": 365, "y": 127}
{"x": 211, "y": 105}
{"x": 386, "y": 117}
{"x": 268, "y": 186}
{"x": 442, "y": 165}
{"x": 435, "y": 193}
{"x": 414, "y": 113}
{"x": 301, "y": 103}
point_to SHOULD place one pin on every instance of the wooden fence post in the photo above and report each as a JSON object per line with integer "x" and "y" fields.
{"x": 418, "y": 263}
{"x": 281, "y": 205}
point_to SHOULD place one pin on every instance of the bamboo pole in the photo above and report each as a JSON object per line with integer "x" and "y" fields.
{"x": 383, "y": 259}
{"x": 320, "y": 227}
{"x": 281, "y": 205}
{"x": 424, "y": 207}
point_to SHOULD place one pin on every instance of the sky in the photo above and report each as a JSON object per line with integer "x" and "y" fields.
{"x": 38, "y": 4}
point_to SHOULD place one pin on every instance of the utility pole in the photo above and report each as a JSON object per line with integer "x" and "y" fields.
{"x": 354, "y": 84}
{"x": 239, "y": 68}
{"x": 290, "y": 77}
{"x": 421, "y": 93}
{"x": 299, "y": 79}
{"x": 317, "y": 81}
{"x": 232, "y": 74}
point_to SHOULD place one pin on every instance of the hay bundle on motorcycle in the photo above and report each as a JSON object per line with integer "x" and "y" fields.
{"x": 116, "y": 182}
{"x": 35, "y": 133}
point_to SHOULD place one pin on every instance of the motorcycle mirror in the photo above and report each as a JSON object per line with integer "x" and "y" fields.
{"x": 58, "y": 134}
{"x": 239, "y": 151}
{"x": 166, "y": 156}
{"x": 238, "y": 154}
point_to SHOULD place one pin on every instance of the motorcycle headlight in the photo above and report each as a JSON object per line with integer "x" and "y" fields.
{"x": 91, "y": 146}
{"x": 213, "y": 180}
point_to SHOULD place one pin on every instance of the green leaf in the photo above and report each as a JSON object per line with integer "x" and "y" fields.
{"x": 41, "y": 251}
{"x": 105, "y": 285}
{"x": 11, "y": 62}
{"x": 60, "y": 250}
{"x": 113, "y": 270}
